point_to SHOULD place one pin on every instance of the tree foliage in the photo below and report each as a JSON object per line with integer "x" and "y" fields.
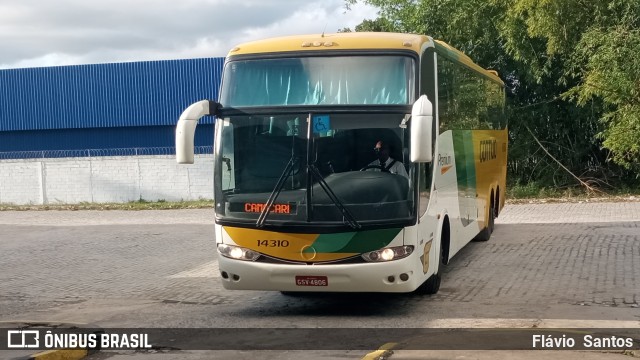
{"x": 572, "y": 69}
{"x": 612, "y": 73}
{"x": 595, "y": 44}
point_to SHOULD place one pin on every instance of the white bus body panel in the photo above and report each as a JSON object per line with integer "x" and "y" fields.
{"x": 363, "y": 277}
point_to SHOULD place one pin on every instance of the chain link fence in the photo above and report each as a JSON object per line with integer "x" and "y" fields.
{"x": 47, "y": 154}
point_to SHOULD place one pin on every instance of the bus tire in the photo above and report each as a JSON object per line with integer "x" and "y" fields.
{"x": 485, "y": 234}
{"x": 432, "y": 284}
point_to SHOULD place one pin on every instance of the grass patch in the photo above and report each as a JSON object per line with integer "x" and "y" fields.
{"x": 133, "y": 205}
{"x": 534, "y": 192}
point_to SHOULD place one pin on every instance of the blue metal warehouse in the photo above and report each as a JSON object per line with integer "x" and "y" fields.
{"x": 103, "y": 106}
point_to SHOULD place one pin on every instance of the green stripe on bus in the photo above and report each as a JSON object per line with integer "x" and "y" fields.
{"x": 465, "y": 160}
{"x": 354, "y": 242}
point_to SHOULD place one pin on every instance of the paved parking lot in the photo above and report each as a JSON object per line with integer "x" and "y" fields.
{"x": 547, "y": 265}
{"x": 577, "y": 254}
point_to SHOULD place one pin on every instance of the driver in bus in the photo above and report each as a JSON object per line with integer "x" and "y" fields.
{"x": 385, "y": 162}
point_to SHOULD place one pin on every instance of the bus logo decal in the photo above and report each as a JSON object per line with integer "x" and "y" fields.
{"x": 488, "y": 150}
{"x": 445, "y": 162}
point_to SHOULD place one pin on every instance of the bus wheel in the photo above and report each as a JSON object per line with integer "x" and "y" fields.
{"x": 485, "y": 234}
{"x": 432, "y": 285}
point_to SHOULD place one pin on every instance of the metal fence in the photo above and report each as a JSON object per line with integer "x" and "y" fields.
{"x": 45, "y": 154}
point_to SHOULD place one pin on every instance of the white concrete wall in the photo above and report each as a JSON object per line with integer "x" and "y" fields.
{"x": 104, "y": 179}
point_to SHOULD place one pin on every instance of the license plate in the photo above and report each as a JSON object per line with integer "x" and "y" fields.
{"x": 312, "y": 280}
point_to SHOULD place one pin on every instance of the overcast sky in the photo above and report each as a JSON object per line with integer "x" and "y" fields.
{"x": 37, "y": 33}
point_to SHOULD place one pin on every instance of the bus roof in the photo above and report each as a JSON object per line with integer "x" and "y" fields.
{"x": 358, "y": 41}
{"x": 339, "y": 41}
{"x": 458, "y": 56}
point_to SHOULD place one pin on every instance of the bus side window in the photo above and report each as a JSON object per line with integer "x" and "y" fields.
{"x": 424, "y": 187}
{"x": 445, "y": 84}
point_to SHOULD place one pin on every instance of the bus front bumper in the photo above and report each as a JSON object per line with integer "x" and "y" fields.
{"x": 393, "y": 276}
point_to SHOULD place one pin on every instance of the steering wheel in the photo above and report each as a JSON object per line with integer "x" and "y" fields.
{"x": 379, "y": 167}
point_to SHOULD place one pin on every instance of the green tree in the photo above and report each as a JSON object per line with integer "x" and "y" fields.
{"x": 611, "y": 72}
{"x": 556, "y": 58}
{"x": 596, "y": 44}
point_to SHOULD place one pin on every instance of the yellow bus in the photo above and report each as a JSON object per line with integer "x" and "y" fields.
{"x": 351, "y": 162}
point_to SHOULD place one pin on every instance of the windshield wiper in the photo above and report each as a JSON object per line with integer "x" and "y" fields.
{"x": 276, "y": 191}
{"x": 351, "y": 221}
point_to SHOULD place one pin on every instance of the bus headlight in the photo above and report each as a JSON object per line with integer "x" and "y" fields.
{"x": 237, "y": 252}
{"x": 388, "y": 254}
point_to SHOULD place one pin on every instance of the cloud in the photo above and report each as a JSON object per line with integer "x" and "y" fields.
{"x": 65, "y": 32}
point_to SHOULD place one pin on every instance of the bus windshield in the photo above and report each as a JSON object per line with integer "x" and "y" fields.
{"x": 319, "y": 80}
{"x": 326, "y": 160}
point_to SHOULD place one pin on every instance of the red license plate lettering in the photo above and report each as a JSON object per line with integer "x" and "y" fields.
{"x": 312, "y": 280}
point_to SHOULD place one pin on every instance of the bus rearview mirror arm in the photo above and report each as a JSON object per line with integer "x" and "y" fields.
{"x": 186, "y": 128}
{"x": 421, "y": 131}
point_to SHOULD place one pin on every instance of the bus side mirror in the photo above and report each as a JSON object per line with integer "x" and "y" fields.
{"x": 186, "y": 128}
{"x": 421, "y": 130}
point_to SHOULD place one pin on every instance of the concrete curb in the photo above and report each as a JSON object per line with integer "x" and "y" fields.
{"x": 75, "y": 354}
